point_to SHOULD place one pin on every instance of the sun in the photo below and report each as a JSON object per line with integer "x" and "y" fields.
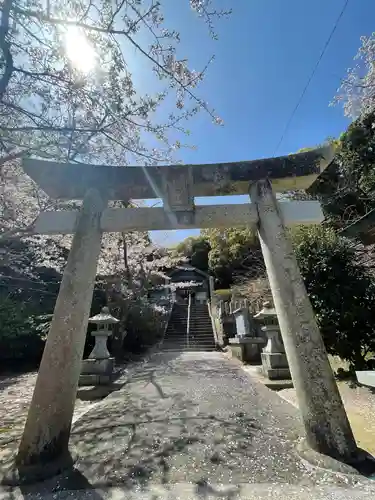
{"x": 79, "y": 50}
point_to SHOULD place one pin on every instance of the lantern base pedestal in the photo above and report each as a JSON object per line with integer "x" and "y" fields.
{"x": 247, "y": 349}
{"x": 275, "y": 366}
{"x": 97, "y": 371}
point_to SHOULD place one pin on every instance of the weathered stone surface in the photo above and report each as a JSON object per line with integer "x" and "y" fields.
{"x": 47, "y": 428}
{"x": 241, "y": 317}
{"x": 247, "y": 349}
{"x": 65, "y": 181}
{"x": 327, "y": 427}
{"x": 147, "y": 219}
{"x": 98, "y": 366}
{"x": 274, "y": 360}
{"x": 91, "y": 379}
{"x": 275, "y": 373}
{"x": 100, "y": 350}
{"x": 274, "y": 341}
{"x": 177, "y": 193}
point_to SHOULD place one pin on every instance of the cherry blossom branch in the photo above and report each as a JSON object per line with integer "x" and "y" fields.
{"x": 108, "y": 30}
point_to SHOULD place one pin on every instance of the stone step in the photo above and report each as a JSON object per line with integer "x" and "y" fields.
{"x": 182, "y": 339}
{"x": 206, "y": 333}
{"x": 188, "y": 349}
{"x": 175, "y": 339}
{"x": 191, "y": 341}
{"x": 186, "y": 346}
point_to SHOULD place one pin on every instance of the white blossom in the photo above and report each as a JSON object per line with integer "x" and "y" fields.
{"x": 357, "y": 89}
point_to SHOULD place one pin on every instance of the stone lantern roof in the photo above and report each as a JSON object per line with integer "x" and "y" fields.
{"x": 267, "y": 312}
{"x": 104, "y": 317}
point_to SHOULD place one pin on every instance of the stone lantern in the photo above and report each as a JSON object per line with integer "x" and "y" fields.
{"x": 98, "y": 368}
{"x": 103, "y": 321}
{"x": 274, "y": 360}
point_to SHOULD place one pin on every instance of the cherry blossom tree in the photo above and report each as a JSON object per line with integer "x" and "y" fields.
{"x": 67, "y": 91}
{"x": 357, "y": 90}
{"x": 66, "y": 87}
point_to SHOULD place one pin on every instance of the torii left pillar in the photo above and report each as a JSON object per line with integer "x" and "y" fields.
{"x": 47, "y": 430}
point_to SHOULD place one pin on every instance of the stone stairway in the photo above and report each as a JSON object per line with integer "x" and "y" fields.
{"x": 201, "y": 333}
{"x": 201, "y": 336}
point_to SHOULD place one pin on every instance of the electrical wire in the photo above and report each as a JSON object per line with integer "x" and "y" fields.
{"x": 328, "y": 41}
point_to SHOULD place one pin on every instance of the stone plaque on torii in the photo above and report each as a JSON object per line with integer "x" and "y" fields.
{"x": 46, "y": 434}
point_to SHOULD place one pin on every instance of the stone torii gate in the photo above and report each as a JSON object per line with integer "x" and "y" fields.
{"x": 47, "y": 430}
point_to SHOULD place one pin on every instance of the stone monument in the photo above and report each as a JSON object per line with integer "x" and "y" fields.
{"x": 246, "y": 345}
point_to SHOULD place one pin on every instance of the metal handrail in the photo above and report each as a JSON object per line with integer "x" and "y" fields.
{"x": 214, "y": 329}
{"x": 188, "y": 323}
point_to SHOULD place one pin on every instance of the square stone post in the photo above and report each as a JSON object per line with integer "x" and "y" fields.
{"x": 327, "y": 427}
{"x": 47, "y": 429}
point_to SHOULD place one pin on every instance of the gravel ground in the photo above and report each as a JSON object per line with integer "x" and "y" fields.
{"x": 15, "y": 395}
{"x": 188, "y": 491}
{"x": 196, "y": 420}
{"x": 192, "y": 418}
{"x": 360, "y": 406}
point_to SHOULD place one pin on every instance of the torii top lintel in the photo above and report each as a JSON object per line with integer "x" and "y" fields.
{"x": 71, "y": 181}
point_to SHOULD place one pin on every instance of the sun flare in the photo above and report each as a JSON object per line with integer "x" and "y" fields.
{"x": 79, "y": 50}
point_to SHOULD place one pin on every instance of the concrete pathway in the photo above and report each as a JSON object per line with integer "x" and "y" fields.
{"x": 191, "y": 419}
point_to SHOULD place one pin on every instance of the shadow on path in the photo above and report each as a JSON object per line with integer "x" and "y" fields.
{"x": 192, "y": 418}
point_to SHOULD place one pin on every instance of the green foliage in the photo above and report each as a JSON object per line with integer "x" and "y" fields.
{"x": 304, "y": 150}
{"x": 341, "y": 291}
{"x": 196, "y": 250}
{"x": 232, "y": 251}
{"x": 143, "y": 326}
{"x": 29, "y": 283}
{"x": 347, "y": 188}
{"x": 20, "y": 338}
{"x": 223, "y": 253}
{"x": 357, "y": 154}
{"x": 223, "y": 294}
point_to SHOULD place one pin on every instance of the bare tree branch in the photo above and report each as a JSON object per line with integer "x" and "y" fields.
{"x": 5, "y": 47}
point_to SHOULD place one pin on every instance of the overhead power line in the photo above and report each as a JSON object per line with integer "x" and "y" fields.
{"x": 328, "y": 41}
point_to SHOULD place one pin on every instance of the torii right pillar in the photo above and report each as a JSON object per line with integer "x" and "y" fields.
{"x": 327, "y": 427}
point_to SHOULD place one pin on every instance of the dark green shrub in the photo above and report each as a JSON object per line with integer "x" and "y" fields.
{"x": 341, "y": 290}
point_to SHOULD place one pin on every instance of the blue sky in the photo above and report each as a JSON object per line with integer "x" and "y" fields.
{"x": 264, "y": 56}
